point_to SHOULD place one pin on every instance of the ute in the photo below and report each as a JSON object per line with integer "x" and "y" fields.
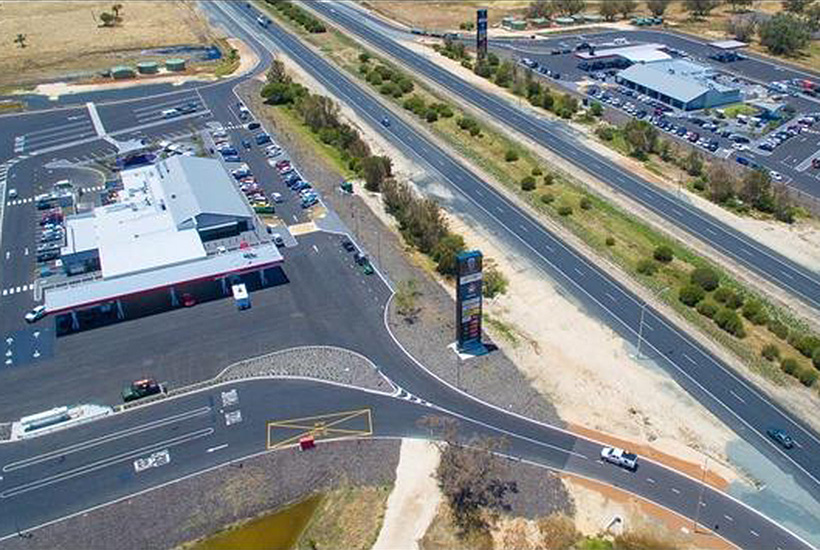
{"x": 620, "y": 457}
{"x": 141, "y": 388}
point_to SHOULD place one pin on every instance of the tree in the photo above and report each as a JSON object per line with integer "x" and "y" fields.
{"x": 700, "y": 8}
{"x": 721, "y": 183}
{"x": 706, "y": 278}
{"x": 784, "y": 34}
{"x": 445, "y": 252}
{"x": 738, "y": 4}
{"x": 108, "y": 19}
{"x": 596, "y": 109}
{"x": 504, "y": 74}
{"x": 693, "y": 164}
{"x": 657, "y": 7}
{"x": 664, "y": 254}
{"x": 812, "y": 17}
{"x": 374, "y": 172}
{"x": 406, "y": 300}
{"x": 641, "y": 136}
{"x": 495, "y": 282}
{"x": 20, "y": 40}
{"x": 540, "y": 8}
{"x": 608, "y": 10}
{"x": 277, "y": 73}
{"x": 470, "y": 476}
{"x": 626, "y": 7}
{"x": 691, "y": 295}
{"x": 756, "y": 189}
{"x": 796, "y": 6}
{"x": 741, "y": 28}
{"x": 568, "y": 7}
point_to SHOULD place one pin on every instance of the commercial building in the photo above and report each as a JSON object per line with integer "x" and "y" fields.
{"x": 620, "y": 57}
{"x": 680, "y": 83}
{"x": 177, "y": 221}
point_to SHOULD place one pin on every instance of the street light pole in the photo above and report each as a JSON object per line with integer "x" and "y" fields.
{"x": 641, "y": 323}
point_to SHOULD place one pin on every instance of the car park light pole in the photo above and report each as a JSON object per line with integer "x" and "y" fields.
{"x": 641, "y": 323}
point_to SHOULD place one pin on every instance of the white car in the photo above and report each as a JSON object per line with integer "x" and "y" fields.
{"x": 619, "y": 457}
{"x": 12, "y": 193}
{"x": 277, "y": 197}
{"x": 775, "y": 175}
{"x": 36, "y": 314}
{"x": 740, "y": 147}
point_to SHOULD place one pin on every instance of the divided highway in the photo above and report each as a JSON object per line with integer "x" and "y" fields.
{"x": 708, "y": 379}
{"x": 555, "y": 136}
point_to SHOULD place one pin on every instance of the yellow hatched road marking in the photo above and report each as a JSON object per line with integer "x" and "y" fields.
{"x": 321, "y": 425}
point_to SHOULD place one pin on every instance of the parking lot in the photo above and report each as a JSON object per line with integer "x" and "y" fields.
{"x": 785, "y": 143}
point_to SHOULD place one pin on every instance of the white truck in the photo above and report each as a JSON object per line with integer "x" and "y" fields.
{"x": 619, "y": 457}
{"x": 240, "y": 296}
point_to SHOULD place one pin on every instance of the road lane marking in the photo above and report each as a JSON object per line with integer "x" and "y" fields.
{"x": 689, "y": 359}
{"x": 730, "y": 518}
{"x": 91, "y": 443}
{"x": 217, "y": 448}
{"x": 105, "y": 462}
{"x": 650, "y": 480}
{"x": 754, "y": 533}
{"x": 676, "y": 491}
{"x": 737, "y": 397}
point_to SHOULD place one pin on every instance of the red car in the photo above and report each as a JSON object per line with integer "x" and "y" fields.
{"x": 282, "y": 164}
{"x": 188, "y": 300}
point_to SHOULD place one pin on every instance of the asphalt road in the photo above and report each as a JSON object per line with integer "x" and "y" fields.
{"x": 557, "y": 137}
{"x": 196, "y": 433}
{"x": 707, "y": 378}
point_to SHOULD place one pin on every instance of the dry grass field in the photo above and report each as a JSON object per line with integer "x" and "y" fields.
{"x": 67, "y": 37}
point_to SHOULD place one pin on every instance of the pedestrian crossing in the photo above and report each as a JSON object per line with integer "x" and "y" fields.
{"x": 92, "y": 189}
{"x": 17, "y": 202}
{"x": 17, "y": 289}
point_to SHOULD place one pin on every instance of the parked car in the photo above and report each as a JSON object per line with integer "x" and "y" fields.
{"x": 48, "y": 255}
{"x": 278, "y": 240}
{"x": 12, "y": 193}
{"x": 36, "y": 314}
{"x": 253, "y": 125}
{"x": 348, "y": 245}
{"x": 140, "y": 389}
{"x": 188, "y": 300}
{"x": 781, "y": 437}
{"x": 620, "y": 457}
{"x": 277, "y": 197}
{"x": 282, "y": 164}
{"x": 262, "y": 138}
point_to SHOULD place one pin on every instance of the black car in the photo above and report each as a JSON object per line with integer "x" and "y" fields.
{"x": 253, "y": 125}
{"x": 360, "y": 258}
{"x": 781, "y": 437}
{"x": 48, "y": 255}
{"x": 348, "y": 245}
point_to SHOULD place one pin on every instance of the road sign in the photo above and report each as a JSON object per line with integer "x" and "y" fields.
{"x": 469, "y": 284}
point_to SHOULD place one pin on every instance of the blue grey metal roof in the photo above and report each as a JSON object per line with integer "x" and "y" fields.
{"x": 678, "y": 79}
{"x": 195, "y": 186}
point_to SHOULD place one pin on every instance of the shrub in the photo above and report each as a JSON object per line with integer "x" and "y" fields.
{"x": 815, "y": 358}
{"x": 431, "y": 115}
{"x": 735, "y": 301}
{"x": 789, "y": 365}
{"x": 706, "y": 278}
{"x": 805, "y": 344}
{"x": 586, "y": 203}
{"x": 475, "y": 131}
{"x": 663, "y": 254}
{"x": 364, "y": 57}
{"x": 495, "y": 282}
{"x": 549, "y": 178}
{"x": 527, "y": 183}
{"x": 547, "y": 198}
{"x": 778, "y": 329}
{"x": 730, "y": 321}
{"x": 707, "y": 308}
{"x": 536, "y": 171}
{"x": 388, "y": 88}
{"x": 445, "y": 111}
{"x": 511, "y": 155}
{"x": 691, "y": 294}
{"x": 723, "y": 294}
{"x": 610, "y": 241}
{"x": 565, "y": 210}
{"x": 807, "y": 376}
{"x": 605, "y": 132}
{"x": 770, "y": 352}
{"x": 647, "y": 267}
{"x": 754, "y": 312}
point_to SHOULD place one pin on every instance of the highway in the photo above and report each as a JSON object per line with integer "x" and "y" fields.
{"x": 737, "y": 403}
{"x": 557, "y": 137}
{"x": 227, "y": 423}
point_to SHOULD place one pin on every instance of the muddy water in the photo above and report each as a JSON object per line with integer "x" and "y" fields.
{"x": 277, "y": 531}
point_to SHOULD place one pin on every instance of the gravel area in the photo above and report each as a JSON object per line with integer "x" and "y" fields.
{"x": 322, "y": 362}
{"x": 540, "y": 492}
{"x": 494, "y": 377}
{"x": 199, "y": 506}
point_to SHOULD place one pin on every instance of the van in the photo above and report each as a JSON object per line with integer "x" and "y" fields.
{"x": 240, "y": 296}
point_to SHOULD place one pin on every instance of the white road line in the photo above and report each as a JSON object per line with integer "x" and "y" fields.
{"x": 523, "y": 228}
{"x": 578, "y": 271}
{"x": 610, "y": 296}
{"x": 217, "y": 448}
{"x": 737, "y": 396}
{"x": 689, "y": 359}
{"x": 676, "y": 491}
{"x": 754, "y": 533}
{"x": 730, "y": 518}
{"x": 650, "y": 480}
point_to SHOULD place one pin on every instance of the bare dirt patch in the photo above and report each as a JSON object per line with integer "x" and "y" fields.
{"x": 598, "y": 504}
{"x": 445, "y": 15}
{"x": 62, "y": 37}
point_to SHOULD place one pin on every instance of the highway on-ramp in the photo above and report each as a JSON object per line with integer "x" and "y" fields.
{"x": 707, "y": 378}
{"x": 557, "y": 137}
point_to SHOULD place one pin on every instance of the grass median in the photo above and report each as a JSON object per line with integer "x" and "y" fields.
{"x": 731, "y": 314}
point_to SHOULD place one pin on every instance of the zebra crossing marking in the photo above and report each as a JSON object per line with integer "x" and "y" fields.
{"x": 18, "y": 289}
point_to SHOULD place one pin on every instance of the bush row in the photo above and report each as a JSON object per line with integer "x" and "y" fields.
{"x": 298, "y": 15}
